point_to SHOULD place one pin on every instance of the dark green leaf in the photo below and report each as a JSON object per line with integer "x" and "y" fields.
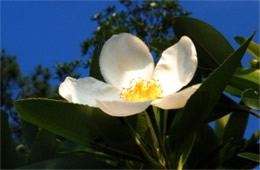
{"x": 204, "y": 153}
{"x": 250, "y": 156}
{"x": 232, "y": 161}
{"x": 8, "y": 153}
{"x": 43, "y": 147}
{"x": 211, "y": 45}
{"x": 68, "y": 149}
{"x": 79, "y": 123}
{"x": 224, "y": 106}
{"x": 204, "y": 99}
{"x": 251, "y": 98}
{"x": 254, "y": 138}
{"x": 236, "y": 125}
{"x": 253, "y": 48}
{"x": 69, "y": 163}
{"x": 30, "y": 132}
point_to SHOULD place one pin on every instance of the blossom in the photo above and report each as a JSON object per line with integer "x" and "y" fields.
{"x": 132, "y": 81}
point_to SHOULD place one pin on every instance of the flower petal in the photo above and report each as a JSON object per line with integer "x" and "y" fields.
{"x": 177, "y": 66}
{"x": 124, "y": 57}
{"x": 122, "y": 108}
{"x": 176, "y": 100}
{"x": 87, "y": 90}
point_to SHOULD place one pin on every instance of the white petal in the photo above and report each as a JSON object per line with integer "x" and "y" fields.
{"x": 87, "y": 90}
{"x": 176, "y": 100}
{"x": 177, "y": 66}
{"x": 124, "y": 57}
{"x": 122, "y": 108}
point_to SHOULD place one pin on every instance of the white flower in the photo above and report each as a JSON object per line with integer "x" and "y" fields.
{"x": 153, "y": 4}
{"x": 132, "y": 80}
{"x": 114, "y": 14}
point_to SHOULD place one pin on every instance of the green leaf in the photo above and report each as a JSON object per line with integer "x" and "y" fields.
{"x": 185, "y": 155}
{"x": 242, "y": 79}
{"x": 212, "y": 47}
{"x": 204, "y": 153}
{"x": 254, "y": 63}
{"x": 79, "y": 123}
{"x": 67, "y": 149}
{"x": 251, "y": 98}
{"x": 8, "y": 153}
{"x": 236, "y": 126}
{"x": 249, "y": 74}
{"x": 245, "y": 78}
{"x": 69, "y": 163}
{"x": 254, "y": 138}
{"x": 233, "y": 91}
{"x": 43, "y": 147}
{"x": 250, "y": 156}
{"x": 230, "y": 160}
{"x": 224, "y": 106}
{"x": 30, "y": 132}
{"x": 220, "y": 126}
{"x": 253, "y": 48}
{"x": 202, "y": 102}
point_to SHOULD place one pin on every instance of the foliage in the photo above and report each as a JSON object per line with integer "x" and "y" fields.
{"x": 59, "y": 134}
{"x": 14, "y": 85}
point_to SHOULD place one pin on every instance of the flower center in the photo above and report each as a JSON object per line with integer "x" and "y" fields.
{"x": 141, "y": 90}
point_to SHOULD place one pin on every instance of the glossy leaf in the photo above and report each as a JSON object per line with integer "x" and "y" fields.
{"x": 243, "y": 79}
{"x": 211, "y": 45}
{"x": 76, "y": 122}
{"x": 251, "y": 98}
{"x": 250, "y": 156}
{"x": 253, "y": 48}
{"x": 204, "y": 99}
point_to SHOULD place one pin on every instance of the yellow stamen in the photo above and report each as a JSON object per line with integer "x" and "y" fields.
{"x": 142, "y": 90}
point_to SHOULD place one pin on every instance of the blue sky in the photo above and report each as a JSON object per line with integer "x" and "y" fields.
{"x": 47, "y": 32}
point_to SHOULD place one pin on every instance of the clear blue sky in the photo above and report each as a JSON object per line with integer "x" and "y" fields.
{"x": 47, "y": 32}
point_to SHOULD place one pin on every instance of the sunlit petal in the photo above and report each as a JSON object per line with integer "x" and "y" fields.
{"x": 122, "y": 108}
{"x": 176, "y": 100}
{"x": 177, "y": 66}
{"x": 123, "y": 58}
{"x": 86, "y": 90}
